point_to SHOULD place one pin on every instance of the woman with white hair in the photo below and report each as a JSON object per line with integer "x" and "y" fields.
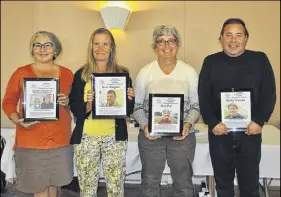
{"x": 166, "y": 75}
{"x": 43, "y": 155}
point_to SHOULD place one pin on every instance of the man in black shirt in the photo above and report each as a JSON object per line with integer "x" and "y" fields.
{"x": 236, "y": 67}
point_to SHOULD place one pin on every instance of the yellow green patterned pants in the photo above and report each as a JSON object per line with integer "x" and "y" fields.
{"x": 88, "y": 155}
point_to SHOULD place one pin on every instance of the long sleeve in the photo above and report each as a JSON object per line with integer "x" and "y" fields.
{"x": 76, "y": 101}
{"x": 12, "y": 95}
{"x": 130, "y": 107}
{"x": 193, "y": 112}
{"x": 205, "y": 96}
{"x": 77, "y": 107}
{"x": 267, "y": 94}
{"x": 140, "y": 92}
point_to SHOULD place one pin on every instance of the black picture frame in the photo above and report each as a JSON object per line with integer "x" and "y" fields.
{"x": 35, "y": 91}
{"x": 102, "y": 84}
{"x": 158, "y": 128}
{"x": 230, "y": 126}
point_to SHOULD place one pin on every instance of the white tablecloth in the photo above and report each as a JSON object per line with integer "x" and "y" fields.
{"x": 269, "y": 166}
{"x": 202, "y": 166}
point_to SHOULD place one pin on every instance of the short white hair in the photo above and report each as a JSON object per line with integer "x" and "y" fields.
{"x": 54, "y": 39}
{"x": 165, "y": 30}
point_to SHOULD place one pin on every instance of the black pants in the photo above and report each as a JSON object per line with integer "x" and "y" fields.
{"x": 240, "y": 153}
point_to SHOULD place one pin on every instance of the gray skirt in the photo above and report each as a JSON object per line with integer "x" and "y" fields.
{"x": 38, "y": 169}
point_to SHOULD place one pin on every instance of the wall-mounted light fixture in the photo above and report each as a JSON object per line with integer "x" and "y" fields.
{"x": 115, "y": 17}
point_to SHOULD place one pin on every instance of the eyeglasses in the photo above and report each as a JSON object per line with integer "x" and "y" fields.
{"x": 46, "y": 45}
{"x": 164, "y": 42}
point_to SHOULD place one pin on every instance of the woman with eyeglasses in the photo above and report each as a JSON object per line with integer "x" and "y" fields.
{"x": 99, "y": 140}
{"x": 166, "y": 75}
{"x": 43, "y": 155}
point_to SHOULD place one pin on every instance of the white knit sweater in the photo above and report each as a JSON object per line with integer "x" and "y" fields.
{"x": 182, "y": 80}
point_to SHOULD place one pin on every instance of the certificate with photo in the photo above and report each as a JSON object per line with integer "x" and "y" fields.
{"x": 236, "y": 109}
{"x": 110, "y": 95}
{"x": 165, "y": 114}
{"x": 40, "y": 99}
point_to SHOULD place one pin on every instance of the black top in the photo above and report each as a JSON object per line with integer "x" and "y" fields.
{"x": 249, "y": 70}
{"x": 78, "y": 108}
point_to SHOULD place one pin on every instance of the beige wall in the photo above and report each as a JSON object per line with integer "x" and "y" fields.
{"x": 199, "y": 24}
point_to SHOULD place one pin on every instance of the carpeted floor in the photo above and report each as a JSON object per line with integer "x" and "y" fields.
{"x": 130, "y": 191}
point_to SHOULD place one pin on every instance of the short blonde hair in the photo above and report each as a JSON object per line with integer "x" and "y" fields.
{"x": 232, "y": 104}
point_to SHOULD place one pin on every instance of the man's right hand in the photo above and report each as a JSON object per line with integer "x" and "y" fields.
{"x": 220, "y": 129}
{"x": 146, "y": 134}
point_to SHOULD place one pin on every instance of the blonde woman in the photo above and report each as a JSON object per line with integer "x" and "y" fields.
{"x": 98, "y": 139}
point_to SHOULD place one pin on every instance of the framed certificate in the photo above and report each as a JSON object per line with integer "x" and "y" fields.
{"x": 40, "y": 99}
{"x": 110, "y": 95}
{"x": 236, "y": 109}
{"x": 165, "y": 114}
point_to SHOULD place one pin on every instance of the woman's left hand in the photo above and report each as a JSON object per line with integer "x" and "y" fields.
{"x": 63, "y": 99}
{"x": 131, "y": 93}
{"x": 185, "y": 132}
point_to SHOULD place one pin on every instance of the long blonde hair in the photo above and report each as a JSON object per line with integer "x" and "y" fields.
{"x": 111, "y": 67}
